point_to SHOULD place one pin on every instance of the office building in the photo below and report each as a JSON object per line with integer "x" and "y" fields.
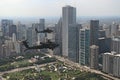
{"x": 12, "y": 29}
{"x": 104, "y": 44}
{"x": 94, "y": 56}
{"x": 5, "y": 24}
{"x": 42, "y": 24}
{"x": 69, "y": 33}
{"x": 108, "y": 62}
{"x": 114, "y": 29}
{"x": 31, "y": 36}
{"x": 84, "y": 43}
{"x": 94, "y": 27}
{"x": 21, "y": 31}
{"x": 58, "y": 37}
{"x": 111, "y": 63}
{"x": 116, "y": 65}
{"x": 116, "y": 44}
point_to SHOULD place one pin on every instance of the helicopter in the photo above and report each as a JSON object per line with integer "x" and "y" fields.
{"x": 43, "y": 45}
{"x": 44, "y": 31}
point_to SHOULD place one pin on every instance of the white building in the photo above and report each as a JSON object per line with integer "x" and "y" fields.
{"x": 116, "y": 44}
{"x": 111, "y": 63}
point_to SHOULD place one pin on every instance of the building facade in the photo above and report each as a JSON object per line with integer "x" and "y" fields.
{"x": 84, "y": 43}
{"x": 94, "y": 27}
{"x": 94, "y": 56}
{"x": 68, "y": 18}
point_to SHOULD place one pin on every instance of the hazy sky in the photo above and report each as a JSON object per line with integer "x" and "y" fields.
{"x": 46, "y": 8}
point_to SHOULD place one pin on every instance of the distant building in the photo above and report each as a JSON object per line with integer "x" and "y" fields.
{"x": 31, "y": 36}
{"x": 42, "y": 24}
{"x": 12, "y": 29}
{"x": 69, "y": 33}
{"x": 21, "y": 31}
{"x": 94, "y": 27}
{"x": 102, "y": 33}
{"x": 94, "y": 56}
{"x": 114, "y": 29}
{"x": 58, "y": 37}
{"x": 84, "y": 43}
{"x": 5, "y": 24}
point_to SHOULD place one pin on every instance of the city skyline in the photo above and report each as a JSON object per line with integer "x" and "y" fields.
{"x": 50, "y": 8}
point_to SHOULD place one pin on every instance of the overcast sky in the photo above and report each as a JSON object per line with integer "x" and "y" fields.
{"x": 46, "y": 8}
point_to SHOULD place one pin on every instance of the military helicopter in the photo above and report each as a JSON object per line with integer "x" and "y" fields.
{"x": 43, "y": 45}
{"x": 44, "y": 31}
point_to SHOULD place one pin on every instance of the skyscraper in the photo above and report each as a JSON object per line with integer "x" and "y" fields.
{"x": 84, "y": 43}
{"x": 42, "y": 24}
{"x": 94, "y": 27}
{"x": 31, "y": 36}
{"x": 116, "y": 44}
{"x": 108, "y": 62}
{"x": 94, "y": 56}
{"x": 5, "y": 24}
{"x": 12, "y": 29}
{"x": 69, "y": 33}
{"x": 68, "y": 18}
{"x": 21, "y": 31}
{"x": 58, "y": 37}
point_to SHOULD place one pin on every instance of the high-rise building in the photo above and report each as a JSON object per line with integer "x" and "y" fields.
{"x": 68, "y": 18}
{"x": 21, "y": 31}
{"x": 94, "y": 56}
{"x": 94, "y": 27}
{"x": 102, "y": 33}
{"x": 111, "y": 63}
{"x": 12, "y": 29}
{"x": 42, "y": 24}
{"x": 72, "y": 42}
{"x": 69, "y": 33}
{"x": 108, "y": 62}
{"x": 84, "y": 43}
{"x": 114, "y": 29}
{"x": 58, "y": 37}
{"x": 31, "y": 36}
{"x": 116, "y": 65}
{"x": 104, "y": 44}
{"x": 116, "y": 44}
{"x": 5, "y": 24}
{"x": 1, "y": 32}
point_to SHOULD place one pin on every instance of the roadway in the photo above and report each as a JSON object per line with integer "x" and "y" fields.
{"x": 68, "y": 62}
{"x": 24, "y": 68}
{"x": 83, "y": 68}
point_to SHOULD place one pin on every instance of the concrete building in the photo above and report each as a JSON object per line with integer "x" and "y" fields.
{"x": 68, "y": 18}
{"x": 72, "y": 42}
{"x": 31, "y": 36}
{"x": 116, "y": 65}
{"x": 104, "y": 44}
{"x": 94, "y": 56}
{"x": 116, "y": 44}
{"x": 94, "y": 27}
{"x": 102, "y": 33}
{"x": 111, "y": 63}
{"x": 5, "y": 24}
{"x": 12, "y": 29}
{"x": 114, "y": 29}
{"x": 108, "y": 62}
{"x": 21, "y": 31}
{"x": 42, "y": 24}
{"x": 58, "y": 37}
{"x": 84, "y": 43}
